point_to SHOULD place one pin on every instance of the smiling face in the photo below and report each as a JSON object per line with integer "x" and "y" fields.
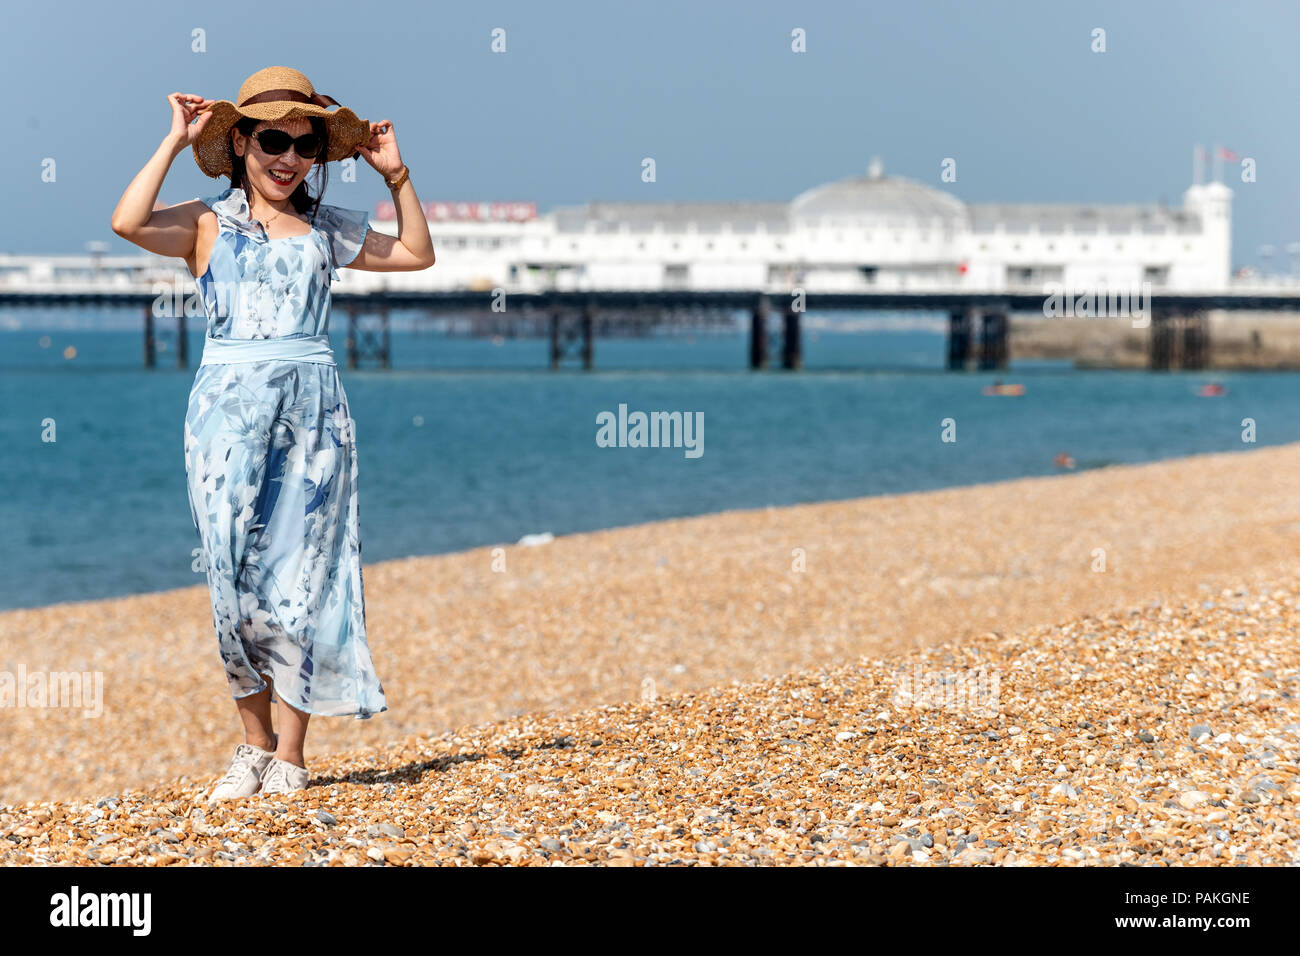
{"x": 275, "y": 177}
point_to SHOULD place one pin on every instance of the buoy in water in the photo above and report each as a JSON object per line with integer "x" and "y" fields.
{"x": 1212, "y": 389}
{"x": 999, "y": 389}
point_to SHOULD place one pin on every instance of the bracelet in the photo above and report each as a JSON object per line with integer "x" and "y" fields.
{"x": 401, "y": 180}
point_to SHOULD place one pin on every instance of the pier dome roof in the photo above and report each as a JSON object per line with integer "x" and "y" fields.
{"x": 876, "y": 199}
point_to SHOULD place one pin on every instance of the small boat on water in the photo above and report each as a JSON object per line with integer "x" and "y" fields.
{"x": 997, "y": 388}
{"x": 1212, "y": 389}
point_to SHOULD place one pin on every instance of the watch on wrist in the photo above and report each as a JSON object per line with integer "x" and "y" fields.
{"x": 401, "y": 180}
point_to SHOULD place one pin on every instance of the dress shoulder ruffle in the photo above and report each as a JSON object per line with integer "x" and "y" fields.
{"x": 231, "y": 207}
{"x": 346, "y": 230}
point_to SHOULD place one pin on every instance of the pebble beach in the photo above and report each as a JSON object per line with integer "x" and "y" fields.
{"x": 1083, "y": 669}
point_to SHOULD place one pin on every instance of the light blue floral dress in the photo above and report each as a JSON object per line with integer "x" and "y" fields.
{"x": 271, "y": 468}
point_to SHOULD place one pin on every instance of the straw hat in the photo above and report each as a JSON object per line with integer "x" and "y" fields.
{"x": 276, "y": 93}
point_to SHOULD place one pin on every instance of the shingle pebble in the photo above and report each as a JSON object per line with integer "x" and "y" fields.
{"x": 612, "y": 736}
{"x": 711, "y": 782}
{"x": 593, "y": 619}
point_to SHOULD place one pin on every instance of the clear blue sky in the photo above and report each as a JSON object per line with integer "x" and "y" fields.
{"x": 1011, "y": 90}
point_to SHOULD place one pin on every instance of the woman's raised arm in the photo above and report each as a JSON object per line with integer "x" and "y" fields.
{"x": 412, "y": 248}
{"x": 171, "y": 231}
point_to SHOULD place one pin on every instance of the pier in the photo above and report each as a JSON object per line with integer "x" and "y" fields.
{"x": 872, "y": 243}
{"x": 568, "y": 323}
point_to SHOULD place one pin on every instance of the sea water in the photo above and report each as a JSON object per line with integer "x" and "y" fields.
{"x": 469, "y": 442}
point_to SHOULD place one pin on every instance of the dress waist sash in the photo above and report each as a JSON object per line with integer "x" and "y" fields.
{"x": 309, "y": 348}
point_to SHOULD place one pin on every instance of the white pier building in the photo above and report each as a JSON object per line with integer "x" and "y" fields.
{"x": 870, "y": 233}
{"x": 859, "y": 234}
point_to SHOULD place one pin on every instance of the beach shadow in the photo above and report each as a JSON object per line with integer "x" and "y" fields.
{"x": 412, "y": 772}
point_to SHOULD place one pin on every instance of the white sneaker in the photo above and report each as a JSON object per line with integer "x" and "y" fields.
{"x": 280, "y": 776}
{"x": 245, "y": 774}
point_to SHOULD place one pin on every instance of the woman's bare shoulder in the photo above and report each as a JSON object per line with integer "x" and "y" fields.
{"x": 191, "y": 213}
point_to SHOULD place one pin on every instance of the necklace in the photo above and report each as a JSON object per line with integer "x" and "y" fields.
{"x": 266, "y": 222}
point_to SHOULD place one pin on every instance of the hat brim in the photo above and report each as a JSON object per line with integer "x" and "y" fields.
{"x": 347, "y": 131}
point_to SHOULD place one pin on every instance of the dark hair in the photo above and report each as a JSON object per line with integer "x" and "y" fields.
{"x": 302, "y": 200}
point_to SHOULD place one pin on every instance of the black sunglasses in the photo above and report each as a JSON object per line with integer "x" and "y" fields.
{"x": 273, "y": 142}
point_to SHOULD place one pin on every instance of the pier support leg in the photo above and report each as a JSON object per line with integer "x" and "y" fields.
{"x": 149, "y": 344}
{"x": 758, "y": 334}
{"x": 993, "y": 341}
{"x": 1196, "y": 341}
{"x": 959, "y": 336}
{"x": 588, "y": 334}
{"x": 556, "y": 352}
{"x": 386, "y": 353}
{"x": 352, "y": 336}
{"x": 182, "y": 342}
{"x": 791, "y": 340}
{"x": 369, "y": 336}
{"x": 1162, "y": 341}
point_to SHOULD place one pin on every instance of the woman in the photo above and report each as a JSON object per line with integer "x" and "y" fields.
{"x": 270, "y": 462}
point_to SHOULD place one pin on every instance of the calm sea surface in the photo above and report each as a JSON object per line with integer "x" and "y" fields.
{"x": 468, "y": 443}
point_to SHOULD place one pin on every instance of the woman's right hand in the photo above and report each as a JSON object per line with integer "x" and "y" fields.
{"x": 172, "y": 230}
{"x": 185, "y": 107}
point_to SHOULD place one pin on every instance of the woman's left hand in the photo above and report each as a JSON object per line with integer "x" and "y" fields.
{"x": 381, "y": 152}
